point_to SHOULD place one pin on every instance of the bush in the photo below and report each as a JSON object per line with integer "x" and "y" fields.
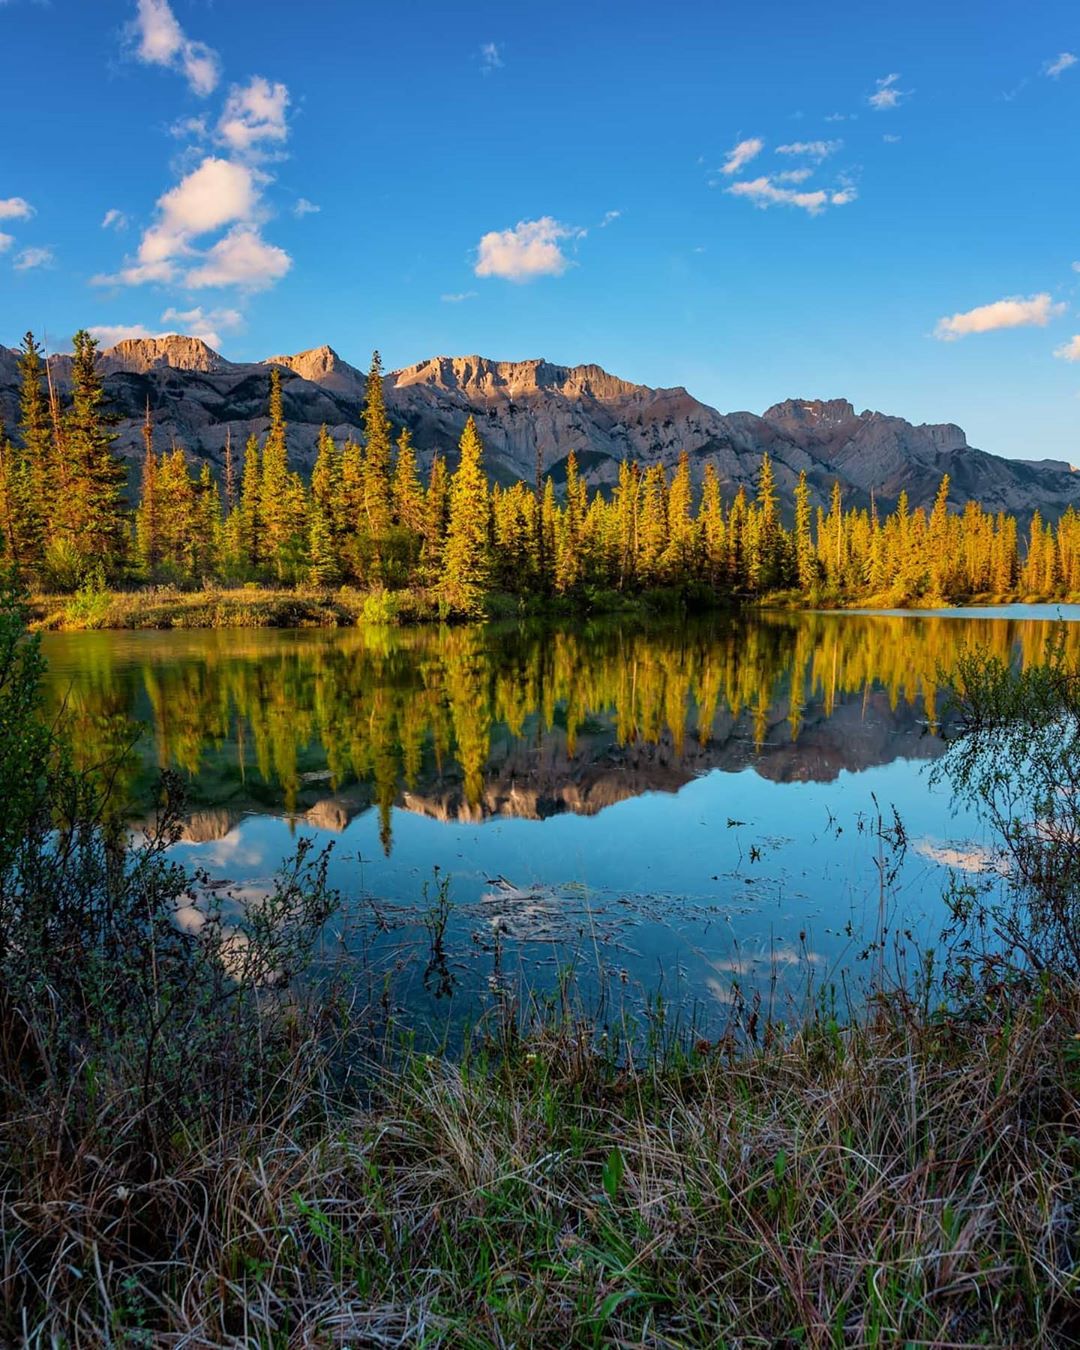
{"x": 1016, "y": 758}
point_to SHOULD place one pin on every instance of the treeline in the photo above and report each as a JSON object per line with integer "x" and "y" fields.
{"x": 367, "y": 516}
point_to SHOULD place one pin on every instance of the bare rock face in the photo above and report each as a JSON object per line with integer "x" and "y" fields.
{"x": 531, "y": 409}
{"x": 138, "y": 355}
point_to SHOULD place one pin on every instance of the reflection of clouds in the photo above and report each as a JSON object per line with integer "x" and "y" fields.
{"x": 964, "y": 856}
{"x": 231, "y": 850}
{"x": 775, "y": 956}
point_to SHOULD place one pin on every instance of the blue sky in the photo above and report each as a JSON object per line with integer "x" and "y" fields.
{"x": 585, "y": 182}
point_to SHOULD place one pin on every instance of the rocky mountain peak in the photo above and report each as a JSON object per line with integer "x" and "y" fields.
{"x": 323, "y": 366}
{"x": 814, "y": 414}
{"x": 138, "y": 355}
{"x": 480, "y": 378}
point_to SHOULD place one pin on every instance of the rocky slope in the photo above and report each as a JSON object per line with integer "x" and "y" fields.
{"x": 526, "y": 407}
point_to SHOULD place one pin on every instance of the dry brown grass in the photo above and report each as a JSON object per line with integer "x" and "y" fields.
{"x": 906, "y": 1181}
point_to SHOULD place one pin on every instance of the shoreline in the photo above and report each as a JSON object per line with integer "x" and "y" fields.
{"x": 163, "y": 608}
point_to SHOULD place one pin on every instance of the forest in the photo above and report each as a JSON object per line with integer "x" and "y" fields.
{"x": 369, "y": 518}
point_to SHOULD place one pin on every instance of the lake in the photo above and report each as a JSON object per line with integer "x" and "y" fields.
{"x": 677, "y": 807}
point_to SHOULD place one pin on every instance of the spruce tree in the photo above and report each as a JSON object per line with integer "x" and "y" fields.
{"x": 467, "y": 560}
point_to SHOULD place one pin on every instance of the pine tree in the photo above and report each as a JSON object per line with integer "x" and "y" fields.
{"x": 377, "y": 497}
{"x": 436, "y": 520}
{"x": 250, "y": 509}
{"x": 91, "y": 518}
{"x": 806, "y": 563}
{"x": 39, "y": 451}
{"x": 147, "y": 522}
{"x": 467, "y": 562}
{"x": 408, "y": 495}
{"x": 712, "y": 529}
{"x": 678, "y": 557}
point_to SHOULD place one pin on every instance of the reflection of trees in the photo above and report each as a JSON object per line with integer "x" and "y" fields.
{"x": 383, "y": 707}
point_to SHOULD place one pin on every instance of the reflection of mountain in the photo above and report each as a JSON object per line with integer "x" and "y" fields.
{"x": 530, "y": 781}
{"x": 526, "y": 721}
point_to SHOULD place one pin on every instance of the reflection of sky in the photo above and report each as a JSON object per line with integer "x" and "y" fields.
{"x": 702, "y": 907}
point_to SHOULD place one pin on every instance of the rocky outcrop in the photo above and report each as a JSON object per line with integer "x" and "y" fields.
{"x": 527, "y": 409}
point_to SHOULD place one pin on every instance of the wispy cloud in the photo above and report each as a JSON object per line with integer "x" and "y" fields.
{"x": 609, "y": 218}
{"x": 30, "y": 258}
{"x": 114, "y": 220}
{"x": 793, "y": 176}
{"x": 208, "y": 324}
{"x": 741, "y": 154}
{"x": 888, "y": 93}
{"x": 160, "y": 41}
{"x": 458, "y": 297}
{"x": 490, "y": 57}
{"x": 763, "y": 192}
{"x": 6, "y": 241}
{"x": 1012, "y": 312}
{"x": 303, "y": 207}
{"x": 1059, "y": 64}
{"x": 254, "y": 114}
{"x": 533, "y": 248}
{"x": 109, "y": 334}
{"x": 205, "y": 324}
{"x": 15, "y": 208}
{"x": 1069, "y": 351}
{"x": 890, "y": 139}
{"x": 815, "y": 150}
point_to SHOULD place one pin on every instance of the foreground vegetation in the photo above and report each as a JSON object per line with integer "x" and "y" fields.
{"x": 447, "y": 543}
{"x": 207, "y": 1137}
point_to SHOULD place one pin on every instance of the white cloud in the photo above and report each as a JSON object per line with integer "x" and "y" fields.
{"x": 1069, "y": 351}
{"x": 33, "y": 257}
{"x": 109, "y": 334}
{"x": 609, "y": 218}
{"x": 839, "y": 117}
{"x": 888, "y": 94}
{"x": 208, "y": 324}
{"x": 742, "y": 153}
{"x": 114, "y": 220}
{"x": 200, "y": 323}
{"x": 215, "y": 194}
{"x": 1076, "y": 266}
{"x": 162, "y": 42}
{"x": 531, "y": 249}
{"x": 304, "y": 208}
{"x": 15, "y": 208}
{"x": 1012, "y": 312}
{"x": 186, "y": 127}
{"x": 764, "y": 192}
{"x": 458, "y": 297}
{"x": 242, "y": 258}
{"x": 490, "y": 57}
{"x": 254, "y": 112}
{"x": 1059, "y": 64}
{"x": 793, "y": 176}
{"x": 6, "y": 241}
{"x": 815, "y": 150}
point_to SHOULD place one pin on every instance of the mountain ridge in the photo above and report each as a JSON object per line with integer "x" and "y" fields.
{"x": 530, "y": 407}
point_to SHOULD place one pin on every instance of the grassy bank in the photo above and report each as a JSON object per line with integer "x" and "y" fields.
{"x": 313, "y": 607}
{"x": 904, "y": 1181}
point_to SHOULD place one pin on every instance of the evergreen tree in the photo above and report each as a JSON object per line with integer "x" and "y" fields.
{"x": 90, "y": 518}
{"x": 467, "y": 562}
{"x": 408, "y": 494}
{"x": 377, "y": 496}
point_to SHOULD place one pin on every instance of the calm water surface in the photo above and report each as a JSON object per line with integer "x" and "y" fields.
{"x": 681, "y": 805}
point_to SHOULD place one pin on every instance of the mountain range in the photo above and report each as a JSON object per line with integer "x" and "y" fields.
{"x": 530, "y": 408}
